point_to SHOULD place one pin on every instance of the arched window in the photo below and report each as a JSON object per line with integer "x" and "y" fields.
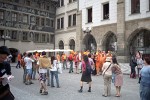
{"x": 72, "y": 44}
{"x": 61, "y": 44}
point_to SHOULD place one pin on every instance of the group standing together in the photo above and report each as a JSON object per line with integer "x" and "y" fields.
{"x": 99, "y": 63}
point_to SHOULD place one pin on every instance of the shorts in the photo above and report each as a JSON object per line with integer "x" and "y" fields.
{"x": 42, "y": 76}
{"x": 29, "y": 71}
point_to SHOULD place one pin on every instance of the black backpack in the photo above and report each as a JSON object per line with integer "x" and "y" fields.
{"x": 88, "y": 70}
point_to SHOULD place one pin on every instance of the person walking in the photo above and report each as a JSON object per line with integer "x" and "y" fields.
{"x": 43, "y": 64}
{"x": 107, "y": 75}
{"x": 118, "y": 79}
{"x": 133, "y": 64}
{"x": 145, "y": 79}
{"x": 85, "y": 77}
{"x": 19, "y": 59}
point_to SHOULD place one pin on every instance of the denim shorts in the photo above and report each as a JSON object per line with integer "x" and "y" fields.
{"x": 29, "y": 71}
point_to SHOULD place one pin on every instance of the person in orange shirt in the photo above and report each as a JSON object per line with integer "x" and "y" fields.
{"x": 103, "y": 57}
{"x": 70, "y": 58}
{"x": 19, "y": 60}
{"x": 98, "y": 63}
{"x": 64, "y": 60}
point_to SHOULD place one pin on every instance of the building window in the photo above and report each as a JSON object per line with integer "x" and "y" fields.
{"x": 106, "y": 11}
{"x": 36, "y": 37}
{"x": 32, "y": 19}
{"x": 47, "y": 22}
{"x": 52, "y": 38}
{"x": 20, "y": 17}
{"x": 70, "y": 1}
{"x": 1, "y": 14}
{"x": 28, "y": 2}
{"x": 58, "y": 23}
{"x": 72, "y": 44}
{"x": 43, "y": 37}
{"x": 14, "y": 17}
{"x": 61, "y": 44}
{"x": 89, "y": 11}
{"x": 25, "y": 36}
{"x": 47, "y": 7}
{"x": 62, "y": 22}
{"x": 69, "y": 20}
{"x": 14, "y": 35}
{"x": 52, "y": 23}
{"x": 47, "y": 37}
{"x": 60, "y": 3}
{"x": 25, "y": 18}
{"x": 37, "y": 21}
{"x": 42, "y": 21}
{"x": 74, "y": 19}
{"x": 135, "y": 6}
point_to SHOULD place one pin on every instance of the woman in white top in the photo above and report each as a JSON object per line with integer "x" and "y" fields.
{"x": 107, "y": 75}
{"x": 54, "y": 72}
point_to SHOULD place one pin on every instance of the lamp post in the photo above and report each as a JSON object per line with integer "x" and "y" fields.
{"x": 5, "y": 38}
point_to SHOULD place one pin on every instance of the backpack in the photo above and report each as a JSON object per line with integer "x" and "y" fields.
{"x": 70, "y": 57}
{"x": 22, "y": 63}
{"x": 88, "y": 70}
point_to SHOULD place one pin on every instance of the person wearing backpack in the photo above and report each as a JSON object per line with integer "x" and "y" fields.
{"x": 43, "y": 64}
{"x": 86, "y": 73}
{"x": 70, "y": 58}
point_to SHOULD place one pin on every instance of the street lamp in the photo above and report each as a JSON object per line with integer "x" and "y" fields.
{"x": 5, "y": 38}
{"x": 87, "y": 30}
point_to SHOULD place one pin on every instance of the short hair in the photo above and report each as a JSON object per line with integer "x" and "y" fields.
{"x": 29, "y": 54}
{"x": 147, "y": 59}
{"x": 4, "y": 50}
{"x": 89, "y": 55}
{"x": 43, "y": 53}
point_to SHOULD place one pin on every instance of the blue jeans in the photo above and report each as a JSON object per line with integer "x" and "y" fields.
{"x": 71, "y": 66}
{"x": 33, "y": 73}
{"x": 65, "y": 64}
{"x": 18, "y": 64}
{"x": 54, "y": 73}
{"x": 48, "y": 75}
{"x": 144, "y": 92}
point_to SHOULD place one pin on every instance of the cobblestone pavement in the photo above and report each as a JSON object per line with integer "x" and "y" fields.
{"x": 69, "y": 84}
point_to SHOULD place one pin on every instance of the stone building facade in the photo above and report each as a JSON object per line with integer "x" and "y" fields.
{"x": 121, "y": 26}
{"x": 66, "y": 24}
{"x": 27, "y": 24}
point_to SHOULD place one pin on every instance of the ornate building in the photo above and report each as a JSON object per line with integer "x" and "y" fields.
{"x": 122, "y": 26}
{"x": 27, "y": 24}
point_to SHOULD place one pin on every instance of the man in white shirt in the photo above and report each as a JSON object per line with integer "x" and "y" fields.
{"x": 28, "y": 63}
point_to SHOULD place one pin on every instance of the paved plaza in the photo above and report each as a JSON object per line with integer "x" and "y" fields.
{"x": 69, "y": 84}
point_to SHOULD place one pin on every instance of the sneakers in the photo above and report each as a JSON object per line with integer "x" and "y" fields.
{"x": 40, "y": 91}
{"x": 80, "y": 91}
{"x": 44, "y": 93}
{"x": 27, "y": 83}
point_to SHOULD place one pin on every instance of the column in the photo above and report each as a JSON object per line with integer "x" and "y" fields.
{"x": 121, "y": 30}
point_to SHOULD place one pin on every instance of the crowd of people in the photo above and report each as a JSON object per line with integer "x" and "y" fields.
{"x": 98, "y": 63}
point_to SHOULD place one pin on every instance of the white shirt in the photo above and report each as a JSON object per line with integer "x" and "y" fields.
{"x": 54, "y": 67}
{"x": 28, "y": 62}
